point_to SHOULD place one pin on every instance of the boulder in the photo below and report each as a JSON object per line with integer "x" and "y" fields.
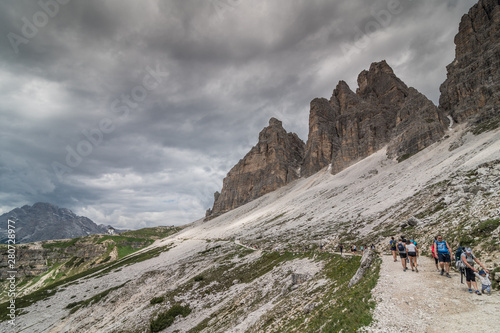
{"x": 299, "y": 278}
{"x": 366, "y": 262}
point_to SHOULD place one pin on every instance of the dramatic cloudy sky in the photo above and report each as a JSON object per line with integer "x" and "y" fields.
{"x": 132, "y": 112}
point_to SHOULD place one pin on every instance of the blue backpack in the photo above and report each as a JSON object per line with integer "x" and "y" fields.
{"x": 441, "y": 247}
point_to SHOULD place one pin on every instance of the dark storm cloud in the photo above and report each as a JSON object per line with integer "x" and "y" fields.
{"x": 222, "y": 68}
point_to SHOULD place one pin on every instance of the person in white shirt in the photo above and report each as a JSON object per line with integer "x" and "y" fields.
{"x": 485, "y": 281}
{"x": 468, "y": 259}
{"x": 412, "y": 251}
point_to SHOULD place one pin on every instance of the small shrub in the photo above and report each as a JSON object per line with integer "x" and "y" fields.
{"x": 156, "y": 300}
{"x": 405, "y": 157}
{"x": 486, "y": 227}
{"x": 167, "y": 318}
{"x": 466, "y": 240}
{"x": 72, "y": 305}
{"x": 60, "y": 245}
{"x": 485, "y": 125}
{"x": 494, "y": 283}
{"x": 198, "y": 278}
{"x": 210, "y": 249}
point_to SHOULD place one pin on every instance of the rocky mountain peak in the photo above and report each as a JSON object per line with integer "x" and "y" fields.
{"x": 381, "y": 84}
{"x": 272, "y": 133}
{"x": 273, "y": 122}
{"x": 45, "y": 221}
{"x": 471, "y": 87}
{"x": 343, "y": 97}
{"x": 272, "y": 163}
{"x": 383, "y": 111}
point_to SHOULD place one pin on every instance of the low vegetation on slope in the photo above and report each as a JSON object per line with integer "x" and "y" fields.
{"x": 50, "y": 290}
{"x": 60, "y": 262}
{"x": 333, "y": 307}
{"x": 242, "y": 284}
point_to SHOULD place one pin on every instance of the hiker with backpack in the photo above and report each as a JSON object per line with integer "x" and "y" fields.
{"x": 412, "y": 251}
{"x": 444, "y": 251}
{"x": 434, "y": 253}
{"x": 468, "y": 259}
{"x": 393, "y": 244}
{"x": 402, "y": 253}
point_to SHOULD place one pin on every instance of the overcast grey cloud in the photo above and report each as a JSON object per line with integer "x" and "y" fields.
{"x": 160, "y": 99}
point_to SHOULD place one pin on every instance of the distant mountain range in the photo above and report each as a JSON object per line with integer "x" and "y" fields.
{"x": 44, "y": 221}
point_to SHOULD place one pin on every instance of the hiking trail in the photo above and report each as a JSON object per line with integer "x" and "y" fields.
{"x": 428, "y": 302}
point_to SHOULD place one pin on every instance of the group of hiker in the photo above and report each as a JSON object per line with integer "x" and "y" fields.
{"x": 441, "y": 251}
{"x": 408, "y": 252}
{"x": 354, "y": 248}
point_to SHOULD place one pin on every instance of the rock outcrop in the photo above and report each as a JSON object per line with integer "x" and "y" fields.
{"x": 366, "y": 263}
{"x": 272, "y": 163}
{"x": 383, "y": 111}
{"x": 34, "y": 259}
{"x": 44, "y": 221}
{"x": 472, "y": 84}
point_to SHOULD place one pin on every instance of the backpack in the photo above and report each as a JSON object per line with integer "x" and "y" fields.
{"x": 441, "y": 247}
{"x": 459, "y": 264}
{"x": 401, "y": 248}
{"x": 434, "y": 251}
{"x": 458, "y": 258}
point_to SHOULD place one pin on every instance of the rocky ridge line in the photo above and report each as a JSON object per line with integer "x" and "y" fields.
{"x": 343, "y": 130}
{"x": 383, "y": 111}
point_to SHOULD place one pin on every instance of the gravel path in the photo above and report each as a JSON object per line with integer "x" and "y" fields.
{"x": 428, "y": 302}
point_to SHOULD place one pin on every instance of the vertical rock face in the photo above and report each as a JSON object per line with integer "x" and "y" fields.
{"x": 272, "y": 163}
{"x": 383, "y": 111}
{"x": 472, "y": 84}
{"x": 321, "y": 130}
